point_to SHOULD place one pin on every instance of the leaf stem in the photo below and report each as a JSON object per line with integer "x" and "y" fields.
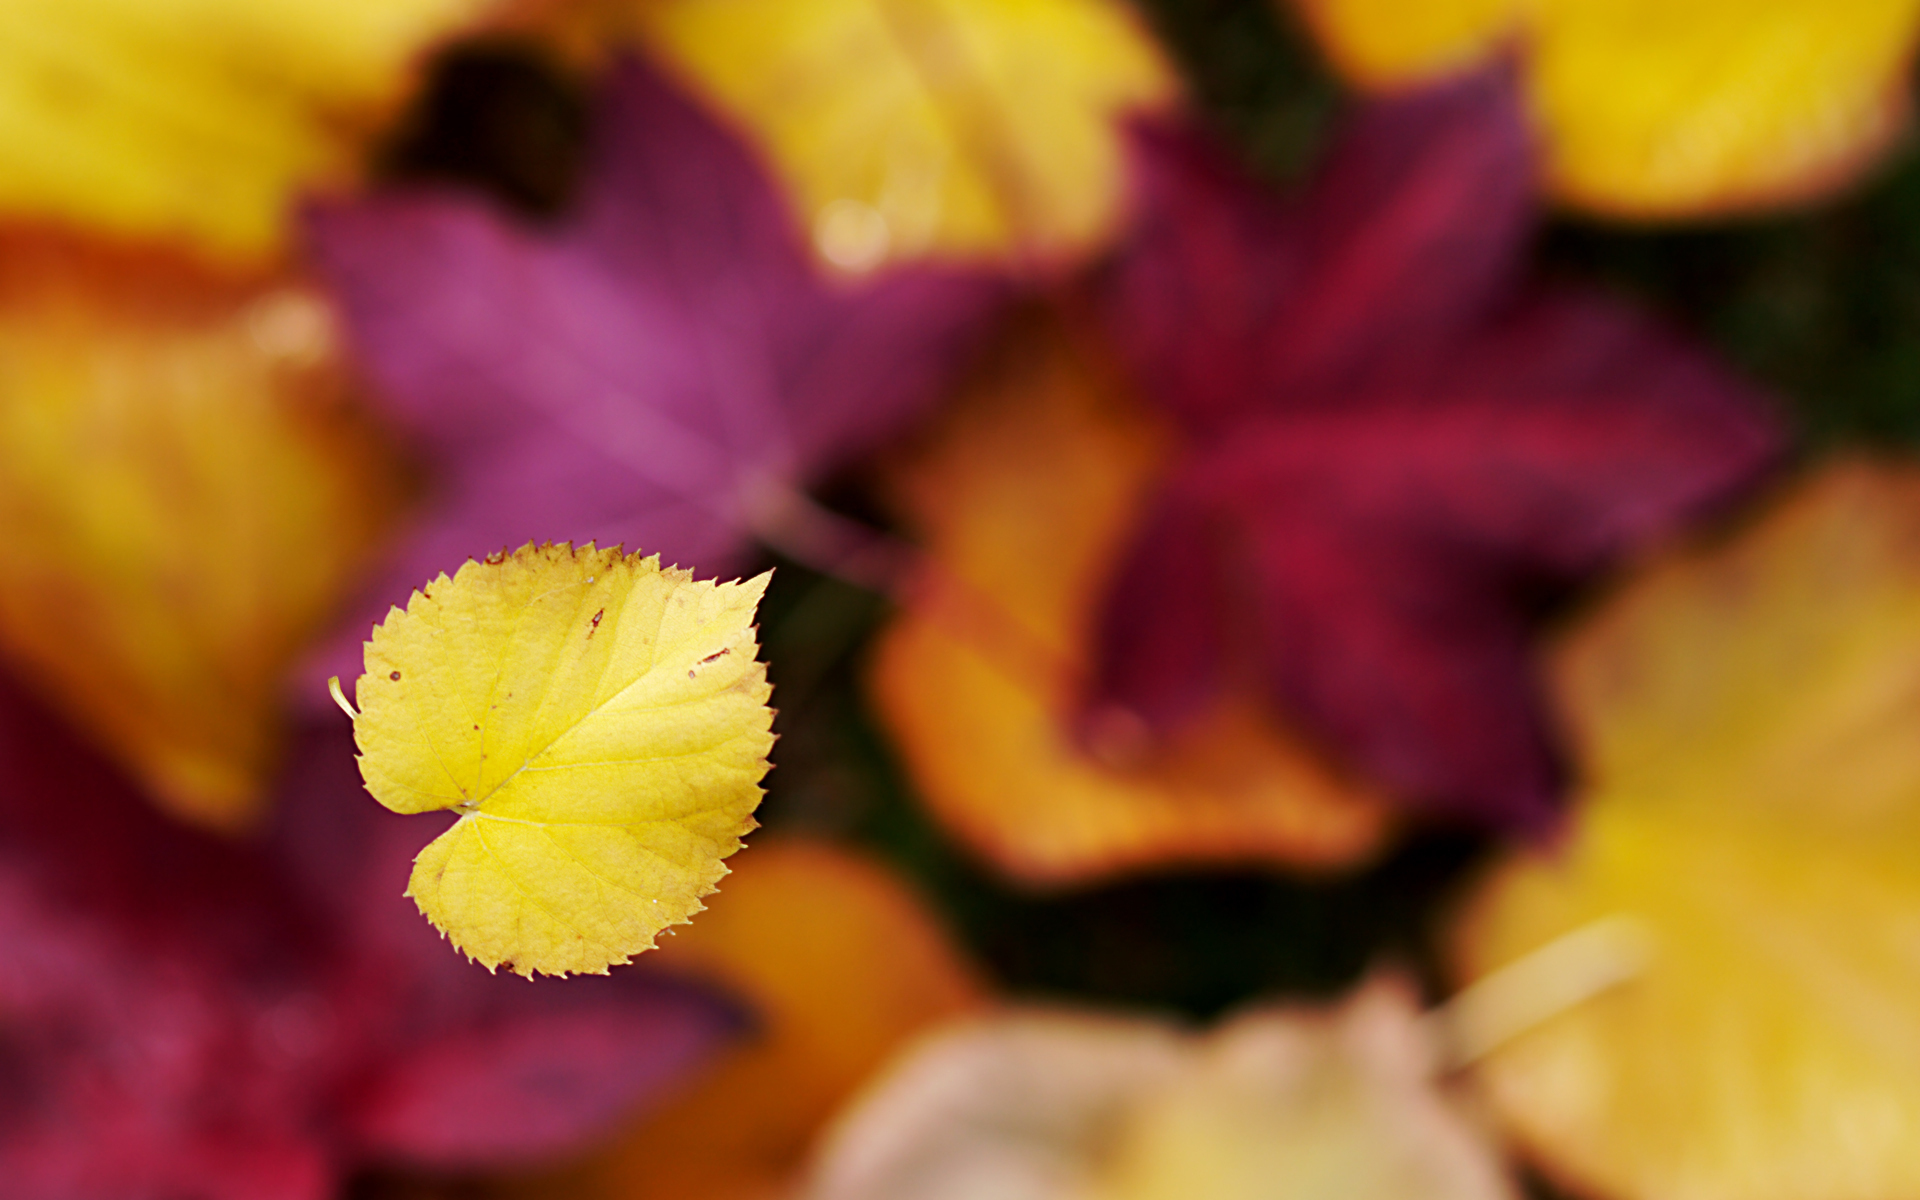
{"x": 791, "y": 523}
{"x": 340, "y": 697}
{"x": 1531, "y": 990}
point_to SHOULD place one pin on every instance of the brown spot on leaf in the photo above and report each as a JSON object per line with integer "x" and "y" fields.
{"x": 596, "y": 621}
{"x": 496, "y": 558}
{"x": 395, "y": 676}
{"x": 720, "y": 653}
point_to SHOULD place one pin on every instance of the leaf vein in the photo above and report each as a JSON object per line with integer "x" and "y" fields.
{"x": 507, "y": 874}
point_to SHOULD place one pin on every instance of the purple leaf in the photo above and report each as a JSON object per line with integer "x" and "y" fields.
{"x": 512, "y": 1091}
{"x": 181, "y": 1015}
{"x": 655, "y": 371}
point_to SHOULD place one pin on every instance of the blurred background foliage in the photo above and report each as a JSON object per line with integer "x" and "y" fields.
{"x": 1778, "y": 664}
{"x": 1818, "y": 304}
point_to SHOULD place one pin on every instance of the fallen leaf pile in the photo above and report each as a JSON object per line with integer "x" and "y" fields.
{"x": 1025, "y": 494}
{"x": 1312, "y": 664}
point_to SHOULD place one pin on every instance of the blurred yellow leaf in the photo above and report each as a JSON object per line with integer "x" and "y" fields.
{"x": 968, "y": 129}
{"x": 600, "y": 725}
{"x": 842, "y": 964}
{"x": 200, "y": 119}
{"x": 185, "y": 490}
{"x": 1653, "y": 109}
{"x": 1389, "y": 43}
{"x": 1747, "y": 718}
{"x": 1286, "y": 1104}
{"x": 1024, "y": 498}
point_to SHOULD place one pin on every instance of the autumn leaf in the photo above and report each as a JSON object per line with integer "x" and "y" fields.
{"x": 1063, "y": 1105}
{"x": 1752, "y": 803}
{"x": 842, "y": 964}
{"x": 664, "y": 369}
{"x": 1395, "y": 451}
{"x": 182, "y": 1014}
{"x": 202, "y": 121}
{"x": 600, "y": 725}
{"x": 913, "y": 129}
{"x": 1657, "y": 110}
{"x": 1024, "y": 496}
{"x": 187, "y": 489}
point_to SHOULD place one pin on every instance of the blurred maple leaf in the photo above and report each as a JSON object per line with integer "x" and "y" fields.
{"x": 663, "y": 369}
{"x": 600, "y": 725}
{"x": 1068, "y": 1105}
{"x": 948, "y": 129}
{"x": 1024, "y": 495}
{"x": 200, "y": 121}
{"x": 187, "y": 489}
{"x": 842, "y": 963}
{"x": 1393, "y": 448}
{"x": 1651, "y": 109}
{"x": 1752, "y": 805}
{"x": 183, "y": 1015}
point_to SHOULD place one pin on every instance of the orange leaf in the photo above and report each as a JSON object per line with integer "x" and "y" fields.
{"x": 186, "y": 488}
{"x": 1024, "y": 499}
{"x": 842, "y": 964}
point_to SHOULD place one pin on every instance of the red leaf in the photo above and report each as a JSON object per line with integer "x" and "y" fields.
{"x": 1231, "y": 296}
{"x": 181, "y": 1015}
{"x": 1396, "y": 450}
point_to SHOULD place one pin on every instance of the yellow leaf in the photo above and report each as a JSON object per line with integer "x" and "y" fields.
{"x": 1752, "y": 803}
{"x": 1063, "y": 1105}
{"x": 185, "y": 489}
{"x": 1025, "y": 499}
{"x": 1653, "y": 109}
{"x": 200, "y": 119}
{"x": 841, "y": 963}
{"x": 969, "y": 129}
{"x": 1388, "y": 43}
{"x": 600, "y": 725}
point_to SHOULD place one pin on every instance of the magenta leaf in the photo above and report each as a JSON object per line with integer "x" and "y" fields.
{"x": 1396, "y": 448}
{"x": 183, "y": 1016}
{"x": 510, "y": 1092}
{"x": 657, "y": 370}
